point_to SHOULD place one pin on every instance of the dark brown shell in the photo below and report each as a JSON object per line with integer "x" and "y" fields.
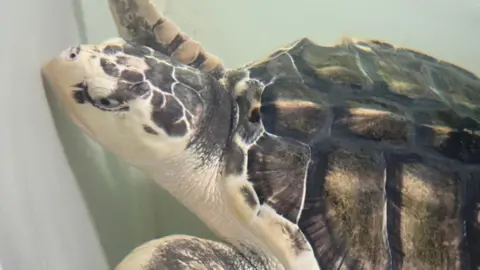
{"x": 387, "y": 140}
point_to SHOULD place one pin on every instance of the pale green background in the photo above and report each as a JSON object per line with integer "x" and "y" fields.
{"x": 92, "y": 213}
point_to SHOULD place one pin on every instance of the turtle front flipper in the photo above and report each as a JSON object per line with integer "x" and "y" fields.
{"x": 188, "y": 252}
{"x": 139, "y": 21}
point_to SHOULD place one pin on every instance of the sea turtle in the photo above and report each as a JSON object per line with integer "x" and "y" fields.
{"x": 360, "y": 155}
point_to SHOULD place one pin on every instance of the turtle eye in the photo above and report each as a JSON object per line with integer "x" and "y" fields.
{"x": 108, "y": 102}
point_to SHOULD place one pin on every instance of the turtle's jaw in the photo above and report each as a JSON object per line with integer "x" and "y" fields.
{"x": 64, "y": 72}
{"x": 58, "y": 82}
{"x": 66, "y": 76}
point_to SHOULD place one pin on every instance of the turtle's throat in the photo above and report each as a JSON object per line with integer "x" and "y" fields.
{"x": 197, "y": 188}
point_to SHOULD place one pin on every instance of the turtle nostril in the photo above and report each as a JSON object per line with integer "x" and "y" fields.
{"x": 72, "y": 53}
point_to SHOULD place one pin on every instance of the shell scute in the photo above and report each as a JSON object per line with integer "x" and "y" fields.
{"x": 353, "y": 203}
{"x": 371, "y": 125}
{"x": 291, "y": 109}
{"x": 463, "y": 146}
{"x": 279, "y": 182}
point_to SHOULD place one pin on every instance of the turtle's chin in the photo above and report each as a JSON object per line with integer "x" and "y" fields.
{"x": 80, "y": 125}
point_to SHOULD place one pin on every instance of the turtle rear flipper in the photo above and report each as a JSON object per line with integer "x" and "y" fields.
{"x": 140, "y": 21}
{"x": 188, "y": 252}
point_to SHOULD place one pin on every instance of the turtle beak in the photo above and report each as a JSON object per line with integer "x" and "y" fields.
{"x": 64, "y": 71}
{"x": 51, "y": 74}
{"x": 65, "y": 77}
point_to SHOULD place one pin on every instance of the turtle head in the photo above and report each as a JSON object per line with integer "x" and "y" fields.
{"x": 139, "y": 103}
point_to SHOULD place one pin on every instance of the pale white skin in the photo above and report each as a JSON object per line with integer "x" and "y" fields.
{"x": 164, "y": 159}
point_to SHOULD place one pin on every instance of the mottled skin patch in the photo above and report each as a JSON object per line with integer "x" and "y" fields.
{"x": 109, "y": 67}
{"x": 177, "y": 98}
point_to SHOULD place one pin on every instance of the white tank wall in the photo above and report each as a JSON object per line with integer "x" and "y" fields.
{"x": 44, "y": 223}
{"x": 89, "y": 215}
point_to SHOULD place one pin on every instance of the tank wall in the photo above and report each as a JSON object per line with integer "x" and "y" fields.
{"x": 44, "y": 222}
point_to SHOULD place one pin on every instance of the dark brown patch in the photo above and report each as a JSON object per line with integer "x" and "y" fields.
{"x": 463, "y": 145}
{"x": 160, "y": 75}
{"x": 178, "y": 129}
{"x": 109, "y": 67}
{"x": 177, "y": 41}
{"x": 250, "y": 198}
{"x": 121, "y": 60}
{"x": 383, "y": 45}
{"x": 158, "y": 23}
{"x": 254, "y": 115}
{"x": 157, "y": 100}
{"x": 394, "y": 183}
{"x": 166, "y": 117}
{"x": 112, "y": 49}
{"x": 298, "y": 242}
{"x": 235, "y": 160}
{"x": 196, "y": 253}
{"x": 126, "y": 91}
{"x": 79, "y": 96}
{"x": 140, "y": 89}
{"x": 131, "y": 76}
{"x": 149, "y": 130}
{"x": 199, "y": 60}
